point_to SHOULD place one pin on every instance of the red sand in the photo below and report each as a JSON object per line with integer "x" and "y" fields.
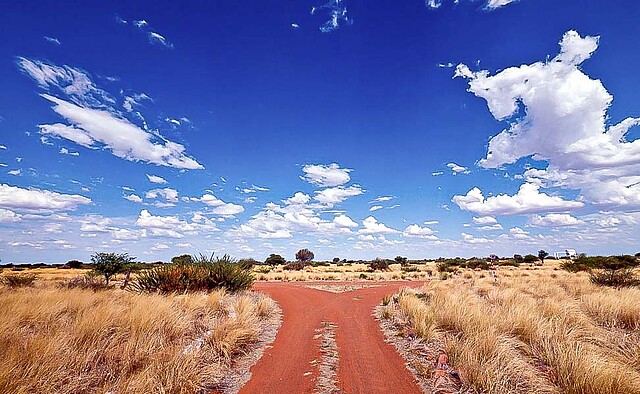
{"x": 366, "y": 364}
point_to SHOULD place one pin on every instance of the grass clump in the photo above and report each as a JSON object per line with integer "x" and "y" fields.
{"x": 15, "y": 281}
{"x": 202, "y": 274}
{"x": 614, "y": 278}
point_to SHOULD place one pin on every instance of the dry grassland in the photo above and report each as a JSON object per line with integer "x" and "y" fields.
{"x": 79, "y": 341}
{"x": 536, "y": 330}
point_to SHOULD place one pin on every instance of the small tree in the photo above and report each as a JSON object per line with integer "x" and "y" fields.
{"x": 109, "y": 264}
{"x": 518, "y": 258}
{"x": 336, "y": 260}
{"x": 304, "y": 255}
{"x": 182, "y": 259}
{"x": 379, "y": 264}
{"x": 401, "y": 260}
{"x": 529, "y": 259}
{"x": 75, "y": 264}
{"x": 275, "y": 259}
{"x": 542, "y": 254}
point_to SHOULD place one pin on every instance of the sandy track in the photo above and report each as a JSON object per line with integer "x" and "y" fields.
{"x": 366, "y": 363}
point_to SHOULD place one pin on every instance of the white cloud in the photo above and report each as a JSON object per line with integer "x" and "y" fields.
{"x": 95, "y": 123}
{"x": 375, "y": 208}
{"x": 457, "y": 169}
{"x": 36, "y": 200}
{"x": 134, "y": 100}
{"x": 3, "y": 147}
{"x": 437, "y": 173}
{"x": 335, "y": 195}
{"x": 326, "y": 175}
{"x": 493, "y": 4}
{"x": 52, "y": 40}
{"x": 557, "y": 113}
{"x": 415, "y": 231}
{"x": 554, "y": 220}
{"x": 470, "y": 239}
{"x": 527, "y": 200}
{"x": 220, "y": 207}
{"x": 431, "y": 222}
{"x": 15, "y": 172}
{"x": 156, "y": 38}
{"x": 156, "y": 179}
{"x": 344, "y": 221}
{"x": 133, "y": 198}
{"x": 337, "y": 15}
{"x": 122, "y": 137}
{"x": 66, "y": 151}
{"x": 382, "y": 199}
{"x": 372, "y": 226}
{"x": 168, "y": 194}
{"x": 493, "y": 227}
{"x": 485, "y": 220}
{"x": 8, "y": 216}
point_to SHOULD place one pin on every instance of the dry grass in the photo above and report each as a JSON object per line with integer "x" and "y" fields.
{"x": 333, "y": 272}
{"x": 546, "y": 332}
{"x": 72, "y": 341}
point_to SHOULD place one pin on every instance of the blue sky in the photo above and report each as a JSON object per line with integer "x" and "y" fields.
{"x": 354, "y": 128}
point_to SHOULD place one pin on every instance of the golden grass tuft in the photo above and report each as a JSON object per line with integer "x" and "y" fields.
{"x": 70, "y": 340}
{"x": 548, "y": 332}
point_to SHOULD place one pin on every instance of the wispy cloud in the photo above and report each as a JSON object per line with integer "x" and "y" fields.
{"x": 337, "y": 12}
{"x": 52, "y": 40}
{"x": 93, "y": 122}
{"x": 153, "y": 36}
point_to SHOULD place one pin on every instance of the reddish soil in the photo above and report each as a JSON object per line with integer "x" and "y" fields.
{"x": 367, "y": 364}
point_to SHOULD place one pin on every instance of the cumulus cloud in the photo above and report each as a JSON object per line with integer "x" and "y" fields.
{"x": 558, "y": 114}
{"x": 219, "y": 206}
{"x": 528, "y": 199}
{"x": 37, "y": 200}
{"x": 372, "y": 226}
{"x": 470, "y": 239}
{"x": 484, "y": 220}
{"x": 133, "y": 198}
{"x": 8, "y": 216}
{"x": 326, "y": 175}
{"x": 172, "y": 226}
{"x": 554, "y": 220}
{"x": 156, "y": 179}
{"x": 344, "y": 221}
{"x": 335, "y": 195}
{"x": 415, "y": 231}
{"x": 457, "y": 169}
{"x": 167, "y": 193}
{"x": 493, "y": 227}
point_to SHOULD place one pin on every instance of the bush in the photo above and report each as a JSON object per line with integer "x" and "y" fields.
{"x": 476, "y": 264}
{"x": 336, "y": 260}
{"x": 182, "y": 259}
{"x": 518, "y": 258}
{"x": 584, "y": 263}
{"x": 247, "y": 263}
{"x": 87, "y": 282}
{"x": 614, "y": 278}
{"x": 409, "y": 268}
{"x": 295, "y": 266}
{"x": 379, "y": 264}
{"x": 75, "y": 264}
{"x": 19, "y": 280}
{"x": 401, "y": 260}
{"x": 530, "y": 259}
{"x": 275, "y": 259}
{"x": 204, "y": 274}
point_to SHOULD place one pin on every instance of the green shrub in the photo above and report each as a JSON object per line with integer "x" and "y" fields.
{"x": 18, "y": 280}
{"x": 409, "y": 268}
{"x": 304, "y": 255}
{"x": 75, "y": 264}
{"x": 204, "y": 274}
{"x": 476, "y": 264}
{"x": 530, "y": 259}
{"x": 379, "y": 265}
{"x": 584, "y": 263}
{"x": 182, "y": 259}
{"x": 614, "y": 278}
{"x": 401, "y": 260}
{"x": 109, "y": 264}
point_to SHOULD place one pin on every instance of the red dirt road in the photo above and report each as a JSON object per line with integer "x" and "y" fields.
{"x": 366, "y": 363}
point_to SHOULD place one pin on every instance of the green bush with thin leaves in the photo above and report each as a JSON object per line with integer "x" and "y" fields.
{"x": 202, "y": 274}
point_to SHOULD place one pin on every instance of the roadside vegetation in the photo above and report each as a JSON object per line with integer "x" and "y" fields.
{"x": 537, "y": 329}
{"x": 174, "y": 328}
